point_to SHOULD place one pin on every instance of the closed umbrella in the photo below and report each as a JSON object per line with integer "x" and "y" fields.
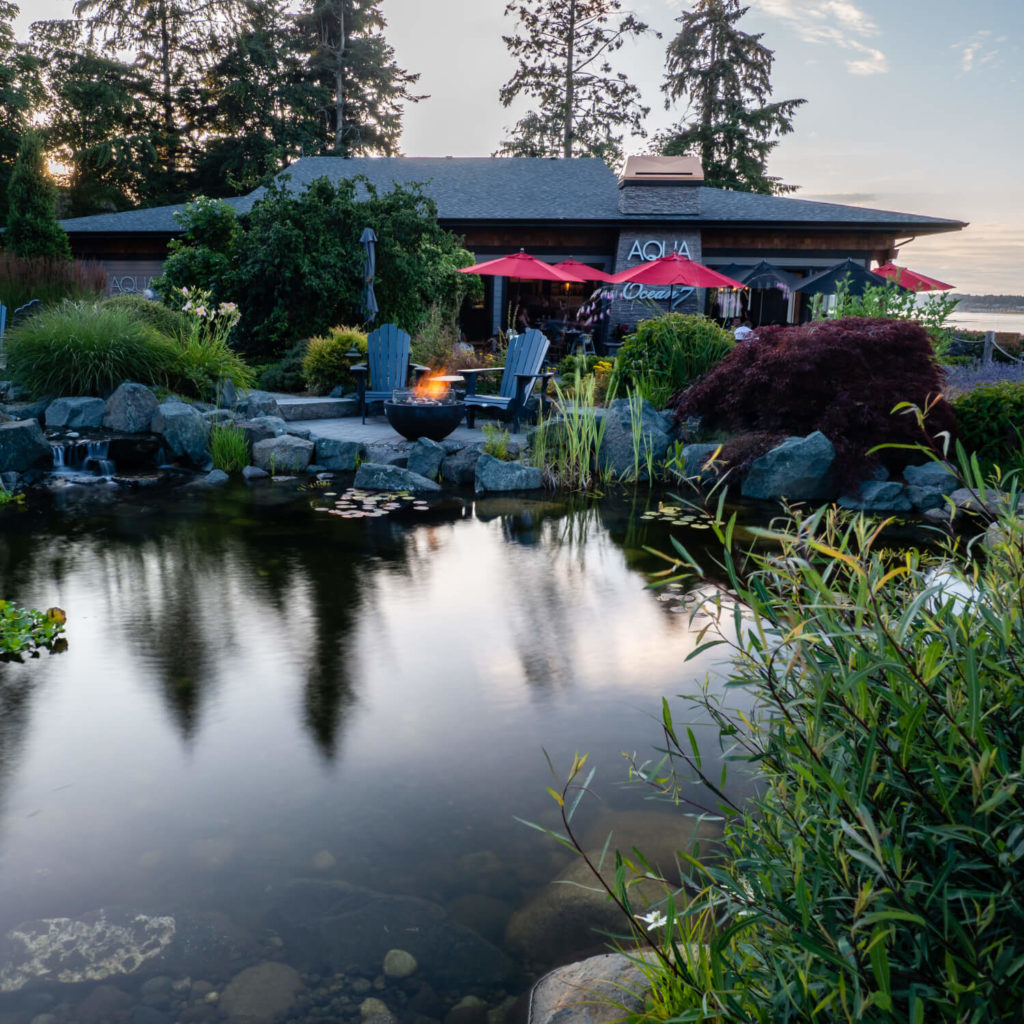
{"x": 857, "y": 279}
{"x": 369, "y": 298}
{"x": 911, "y": 279}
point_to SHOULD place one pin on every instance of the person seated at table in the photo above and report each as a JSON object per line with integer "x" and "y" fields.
{"x": 523, "y": 320}
{"x": 742, "y": 330}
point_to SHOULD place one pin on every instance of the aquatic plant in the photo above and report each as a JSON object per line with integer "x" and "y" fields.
{"x": 228, "y": 447}
{"x": 28, "y": 631}
{"x": 496, "y": 441}
{"x": 564, "y": 446}
{"x": 876, "y": 874}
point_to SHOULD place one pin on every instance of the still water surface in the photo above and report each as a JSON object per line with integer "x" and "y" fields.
{"x": 255, "y": 692}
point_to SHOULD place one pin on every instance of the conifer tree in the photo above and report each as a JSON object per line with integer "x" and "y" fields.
{"x": 725, "y": 73}
{"x": 20, "y": 92}
{"x": 32, "y": 228}
{"x": 563, "y": 48}
{"x": 365, "y": 89}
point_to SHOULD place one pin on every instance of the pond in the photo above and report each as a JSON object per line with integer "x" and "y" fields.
{"x": 280, "y": 735}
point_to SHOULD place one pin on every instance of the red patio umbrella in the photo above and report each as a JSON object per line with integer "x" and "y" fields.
{"x": 522, "y": 265}
{"x": 911, "y": 279}
{"x": 582, "y": 271}
{"x": 674, "y": 269}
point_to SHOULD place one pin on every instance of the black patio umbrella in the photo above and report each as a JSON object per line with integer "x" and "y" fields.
{"x": 827, "y": 282}
{"x": 369, "y": 299}
{"x": 765, "y": 275}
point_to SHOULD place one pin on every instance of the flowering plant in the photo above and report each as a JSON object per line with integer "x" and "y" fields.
{"x": 204, "y": 342}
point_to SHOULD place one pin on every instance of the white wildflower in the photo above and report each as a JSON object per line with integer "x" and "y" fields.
{"x": 653, "y": 919}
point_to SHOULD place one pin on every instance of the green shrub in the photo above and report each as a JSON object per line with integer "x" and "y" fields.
{"x": 433, "y": 344}
{"x": 86, "y": 348}
{"x": 991, "y": 421}
{"x": 876, "y": 873}
{"x": 573, "y": 364}
{"x": 160, "y": 317}
{"x": 287, "y": 373}
{"x": 665, "y": 354}
{"x": 228, "y": 447}
{"x": 48, "y": 279}
{"x": 496, "y": 442}
{"x": 325, "y": 365}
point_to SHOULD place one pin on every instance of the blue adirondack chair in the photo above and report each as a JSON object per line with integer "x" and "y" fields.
{"x": 387, "y": 361}
{"x": 523, "y": 363}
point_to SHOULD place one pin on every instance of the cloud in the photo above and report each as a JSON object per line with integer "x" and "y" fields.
{"x": 978, "y": 50}
{"x": 839, "y": 23}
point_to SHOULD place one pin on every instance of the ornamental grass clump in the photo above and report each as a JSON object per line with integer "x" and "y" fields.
{"x": 877, "y": 874}
{"x": 991, "y": 421}
{"x": 87, "y": 348}
{"x": 666, "y": 354}
{"x": 842, "y": 377}
{"x": 228, "y": 447}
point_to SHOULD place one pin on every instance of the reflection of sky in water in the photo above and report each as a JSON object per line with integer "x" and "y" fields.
{"x": 247, "y": 694}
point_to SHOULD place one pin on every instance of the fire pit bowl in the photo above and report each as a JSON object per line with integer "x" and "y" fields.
{"x": 435, "y": 420}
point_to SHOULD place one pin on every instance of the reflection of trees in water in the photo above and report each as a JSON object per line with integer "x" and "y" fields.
{"x": 184, "y": 585}
{"x": 15, "y": 705}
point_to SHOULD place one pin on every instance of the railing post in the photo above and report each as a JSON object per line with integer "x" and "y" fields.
{"x": 990, "y": 340}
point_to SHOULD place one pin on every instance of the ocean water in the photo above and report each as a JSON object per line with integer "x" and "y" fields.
{"x": 989, "y": 321}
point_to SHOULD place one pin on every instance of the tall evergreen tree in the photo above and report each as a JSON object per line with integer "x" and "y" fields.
{"x": 725, "y": 74}
{"x": 20, "y": 92}
{"x": 259, "y": 107}
{"x": 564, "y": 49}
{"x": 171, "y": 42}
{"x": 98, "y": 123}
{"x": 32, "y": 228}
{"x": 352, "y": 61}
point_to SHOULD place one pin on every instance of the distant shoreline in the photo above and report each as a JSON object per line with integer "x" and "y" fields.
{"x": 987, "y": 320}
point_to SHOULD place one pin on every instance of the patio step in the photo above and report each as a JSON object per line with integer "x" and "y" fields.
{"x": 317, "y": 408}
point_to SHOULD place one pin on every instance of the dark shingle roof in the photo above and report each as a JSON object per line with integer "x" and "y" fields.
{"x": 531, "y": 190}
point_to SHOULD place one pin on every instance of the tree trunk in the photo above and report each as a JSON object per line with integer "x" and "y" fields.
{"x": 168, "y": 99}
{"x": 570, "y": 97}
{"x": 339, "y": 82}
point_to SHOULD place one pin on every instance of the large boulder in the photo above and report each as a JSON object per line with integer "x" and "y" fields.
{"x": 800, "y": 469}
{"x": 341, "y": 456}
{"x": 460, "y": 467}
{"x": 878, "y": 496}
{"x": 695, "y": 458}
{"x": 599, "y": 990}
{"x": 255, "y": 431}
{"x": 570, "y": 915}
{"x": 495, "y": 475}
{"x": 283, "y": 454}
{"x": 938, "y": 475}
{"x": 183, "y": 429}
{"x": 617, "y": 453}
{"x": 130, "y": 409}
{"x": 335, "y": 926}
{"x": 372, "y": 476}
{"x": 425, "y": 457}
{"x": 75, "y": 413}
{"x": 23, "y": 446}
{"x": 27, "y": 410}
{"x": 259, "y": 403}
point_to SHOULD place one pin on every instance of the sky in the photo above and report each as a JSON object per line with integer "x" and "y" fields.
{"x": 912, "y": 105}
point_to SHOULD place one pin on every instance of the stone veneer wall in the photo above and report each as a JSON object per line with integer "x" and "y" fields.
{"x": 633, "y": 302}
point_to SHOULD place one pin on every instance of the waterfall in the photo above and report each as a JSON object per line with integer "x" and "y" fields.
{"x": 96, "y": 458}
{"x": 58, "y": 455}
{"x": 82, "y": 458}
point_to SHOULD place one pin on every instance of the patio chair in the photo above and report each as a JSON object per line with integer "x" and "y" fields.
{"x": 387, "y": 364}
{"x": 523, "y": 363}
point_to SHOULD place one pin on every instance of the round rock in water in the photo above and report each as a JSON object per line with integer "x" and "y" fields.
{"x": 399, "y": 964}
{"x": 260, "y": 994}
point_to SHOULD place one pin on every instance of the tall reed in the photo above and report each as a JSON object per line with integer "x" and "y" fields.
{"x": 48, "y": 280}
{"x": 565, "y": 449}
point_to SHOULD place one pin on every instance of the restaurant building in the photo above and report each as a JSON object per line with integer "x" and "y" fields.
{"x": 561, "y": 208}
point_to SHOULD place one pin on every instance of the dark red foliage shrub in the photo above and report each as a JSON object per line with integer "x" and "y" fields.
{"x": 842, "y": 377}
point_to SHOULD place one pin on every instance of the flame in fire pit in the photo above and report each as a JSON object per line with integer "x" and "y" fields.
{"x": 429, "y": 390}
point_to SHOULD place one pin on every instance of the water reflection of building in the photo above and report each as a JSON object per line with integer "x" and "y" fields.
{"x": 558, "y": 209}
